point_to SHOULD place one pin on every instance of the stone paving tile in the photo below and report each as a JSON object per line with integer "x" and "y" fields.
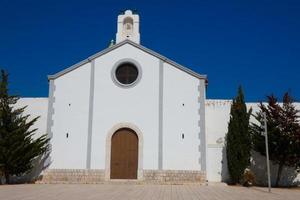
{"x": 141, "y": 192}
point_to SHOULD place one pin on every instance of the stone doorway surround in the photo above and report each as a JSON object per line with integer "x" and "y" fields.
{"x": 108, "y": 148}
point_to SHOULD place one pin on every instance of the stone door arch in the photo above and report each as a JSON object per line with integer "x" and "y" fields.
{"x": 109, "y": 137}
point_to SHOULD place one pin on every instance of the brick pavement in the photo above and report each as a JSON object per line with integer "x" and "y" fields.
{"x": 113, "y": 191}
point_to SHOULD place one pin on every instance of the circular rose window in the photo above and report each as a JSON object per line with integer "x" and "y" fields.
{"x": 126, "y": 73}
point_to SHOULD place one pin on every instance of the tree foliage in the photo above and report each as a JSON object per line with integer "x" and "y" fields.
{"x": 238, "y": 141}
{"x": 283, "y": 132}
{"x": 18, "y": 148}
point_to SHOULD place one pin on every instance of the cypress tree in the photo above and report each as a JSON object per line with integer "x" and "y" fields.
{"x": 238, "y": 141}
{"x": 18, "y": 148}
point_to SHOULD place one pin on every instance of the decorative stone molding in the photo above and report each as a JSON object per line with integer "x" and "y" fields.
{"x": 140, "y": 148}
{"x": 50, "y": 113}
{"x": 201, "y": 123}
{"x": 117, "y": 64}
{"x": 160, "y": 114}
{"x": 90, "y": 116}
{"x": 214, "y": 103}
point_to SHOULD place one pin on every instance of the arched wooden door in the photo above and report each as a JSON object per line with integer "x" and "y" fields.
{"x": 124, "y": 154}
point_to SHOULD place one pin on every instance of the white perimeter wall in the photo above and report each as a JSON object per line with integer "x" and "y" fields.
{"x": 36, "y": 107}
{"x": 217, "y": 118}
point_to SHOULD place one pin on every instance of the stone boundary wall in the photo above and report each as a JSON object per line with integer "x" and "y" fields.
{"x": 174, "y": 176}
{"x": 95, "y": 176}
{"x": 72, "y": 176}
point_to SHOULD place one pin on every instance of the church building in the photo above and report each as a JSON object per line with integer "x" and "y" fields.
{"x": 128, "y": 112}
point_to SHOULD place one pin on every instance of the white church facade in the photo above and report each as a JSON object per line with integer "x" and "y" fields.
{"x": 128, "y": 112}
{"x": 129, "y": 93}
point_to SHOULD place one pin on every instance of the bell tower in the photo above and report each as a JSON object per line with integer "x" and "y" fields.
{"x": 128, "y": 27}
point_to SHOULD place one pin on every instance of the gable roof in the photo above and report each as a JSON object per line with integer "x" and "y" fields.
{"x": 107, "y": 50}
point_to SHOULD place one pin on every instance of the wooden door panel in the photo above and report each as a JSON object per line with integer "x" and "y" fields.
{"x": 124, "y": 154}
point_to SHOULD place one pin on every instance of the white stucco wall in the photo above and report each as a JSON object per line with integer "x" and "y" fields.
{"x": 137, "y": 105}
{"x": 70, "y": 107}
{"x": 180, "y": 116}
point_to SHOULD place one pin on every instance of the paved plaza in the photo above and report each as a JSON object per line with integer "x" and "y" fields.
{"x": 143, "y": 192}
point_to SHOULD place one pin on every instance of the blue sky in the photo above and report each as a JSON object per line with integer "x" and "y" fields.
{"x": 252, "y": 43}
